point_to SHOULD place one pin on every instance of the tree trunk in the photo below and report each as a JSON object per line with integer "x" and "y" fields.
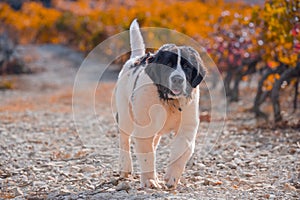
{"x": 296, "y": 95}
{"x": 234, "y": 95}
{"x": 285, "y": 76}
{"x": 227, "y": 81}
{"x": 251, "y": 68}
{"x": 261, "y": 95}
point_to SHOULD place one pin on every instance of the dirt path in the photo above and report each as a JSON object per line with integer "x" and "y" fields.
{"x": 42, "y": 155}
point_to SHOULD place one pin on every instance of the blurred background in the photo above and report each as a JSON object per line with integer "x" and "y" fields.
{"x": 246, "y": 39}
{"x": 254, "y": 44}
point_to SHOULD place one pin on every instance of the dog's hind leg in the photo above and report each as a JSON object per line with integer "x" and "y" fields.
{"x": 125, "y": 160}
{"x": 125, "y": 126}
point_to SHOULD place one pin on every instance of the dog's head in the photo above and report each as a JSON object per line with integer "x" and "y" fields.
{"x": 176, "y": 70}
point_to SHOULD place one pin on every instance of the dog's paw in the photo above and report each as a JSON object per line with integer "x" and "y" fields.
{"x": 151, "y": 183}
{"x": 173, "y": 174}
{"x": 171, "y": 182}
{"x": 172, "y": 178}
{"x": 150, "y": 180}
{"x": 124, "y": 174}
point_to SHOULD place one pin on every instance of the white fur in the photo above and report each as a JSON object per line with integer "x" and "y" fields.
{"x": 144, "y": 117}
{"x": 136, "y": 40}
{"x": 178, "y": 71}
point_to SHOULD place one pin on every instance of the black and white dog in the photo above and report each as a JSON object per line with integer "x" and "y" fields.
{"x": 157, "y": 94}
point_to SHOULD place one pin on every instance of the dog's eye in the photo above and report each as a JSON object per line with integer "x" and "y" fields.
{"x": 184, "y": 66}
{"x": 169, "y": 64}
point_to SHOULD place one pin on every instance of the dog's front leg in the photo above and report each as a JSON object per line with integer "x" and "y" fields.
{"x": 183, "y": 145}
{"x": 146, "y": 158}
{"x": 181, "y": 151}
{"x": 149, "y": 117}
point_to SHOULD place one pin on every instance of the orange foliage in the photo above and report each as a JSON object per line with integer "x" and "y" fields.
{"x": 281, "y": 22}
{"x": 33, "y": 22}
{"x": 269, "y": 82}
{"x": 85, "y": 23}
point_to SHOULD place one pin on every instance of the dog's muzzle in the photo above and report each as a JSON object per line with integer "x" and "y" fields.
{"x": 177, "y": 84}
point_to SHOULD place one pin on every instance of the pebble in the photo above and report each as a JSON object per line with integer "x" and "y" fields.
{"x": 247, "y": 174}
{"x": 201, "y": 166}
{"x": 289, "y": 187}
{"x": 70, "y": 179}
{"x": 197, "y": 173}
{"x": 88, "y": 168}
{"x": 211, "y": 182}
{"x": 39, "y": 183}
{"x": 221, "y": 166}
{"x": 123, "y": 186}
{"x": 17, "y": 191}
{"x": 232, "y": 165}
{"x": 114, "y": 181}
{"x": 272, "y": 196}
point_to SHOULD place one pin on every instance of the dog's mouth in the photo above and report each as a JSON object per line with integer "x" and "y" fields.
{"x": 176, "y": 91}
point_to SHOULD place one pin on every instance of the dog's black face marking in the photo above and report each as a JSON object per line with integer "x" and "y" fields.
{"x": 162, "y": 64}
{"x": 193, "y": 77}
{"x": 159, "y": 68}
{"x": 166, "y": 58}
{"x": 198, "y": 70}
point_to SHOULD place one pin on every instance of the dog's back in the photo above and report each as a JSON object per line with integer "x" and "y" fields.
{"x": 129, "y": 73}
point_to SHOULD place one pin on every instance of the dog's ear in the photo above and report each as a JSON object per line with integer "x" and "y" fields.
{"x": 196, "y": 78}
{"x": 153, "y": 69}
{"x": 150, "y": 59}
{"x": 199, "y": 70}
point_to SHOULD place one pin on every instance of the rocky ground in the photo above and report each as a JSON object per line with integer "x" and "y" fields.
{"x": 45, "y": 154}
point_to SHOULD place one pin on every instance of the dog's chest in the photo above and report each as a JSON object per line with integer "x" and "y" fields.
{"x": 173, "y": 117}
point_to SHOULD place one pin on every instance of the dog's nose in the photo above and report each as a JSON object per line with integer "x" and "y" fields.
{"x": 177, "y": 79}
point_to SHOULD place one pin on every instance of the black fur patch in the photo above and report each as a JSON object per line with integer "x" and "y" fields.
{"x": 163, "y": 63}
{"x": 141, "y": 62}
{"x": 163, "y": 93}
{"x": 159, "y": 67}
{"x": 197, "y": 65}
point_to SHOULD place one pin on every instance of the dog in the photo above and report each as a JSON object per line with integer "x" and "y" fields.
{"x": 158, "y": 93}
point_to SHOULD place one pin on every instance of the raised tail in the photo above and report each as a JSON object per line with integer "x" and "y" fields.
{"x": 136, "y": 40}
